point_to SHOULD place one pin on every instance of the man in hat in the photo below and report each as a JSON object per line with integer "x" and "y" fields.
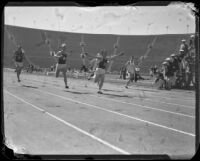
{"x": 123, "y": 71}
{"x": 167, "y": 73}
{"x": 184, "y": 47}
{"x": 192, "y": 45}
{"x": 83, "y": 66}
{"x": 176, "y": 61}
{"x": 62, "y": 62}
{"x": 174, "y": 68}
{"x": 160, "y": 77}
{"x": 151, "y": 69}
{"x": 18, "y": 58}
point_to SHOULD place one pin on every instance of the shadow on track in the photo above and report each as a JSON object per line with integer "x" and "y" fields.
{"x": 115, "y": 95}
{"x": 156, "y": 91}
{"x": 76, "y": 92}
{"x": 29, "y": 86}
{"x": 112, "y": 90}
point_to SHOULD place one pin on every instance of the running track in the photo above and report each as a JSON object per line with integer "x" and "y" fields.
{"x": 42, "y": 117}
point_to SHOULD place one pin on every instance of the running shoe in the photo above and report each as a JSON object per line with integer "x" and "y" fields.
{"x": 100, "y": 92}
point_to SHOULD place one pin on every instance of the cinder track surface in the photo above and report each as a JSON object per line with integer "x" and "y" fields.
{"x": 42, "y": 117}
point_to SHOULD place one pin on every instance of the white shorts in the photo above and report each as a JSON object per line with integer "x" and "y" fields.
{"x": 61, "y": 67}
{"x": 19, "y": 64}
{"x": 100, "y": 71}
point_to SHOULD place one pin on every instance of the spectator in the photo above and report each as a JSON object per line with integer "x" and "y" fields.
{"x": 151, "y": 72}
{"x": 183, "y": 66}
{"x": 192, "y": 45}
{"x": 178, "y": 70}
{"x": 184, "y": 47}
{"x": 189, "y": 70}
{"x": 172, "y": 70}
{"x": 176, "y": 62}
{"x": 52, "y": 68}
{"x": 138, "y": 76}
{"x": 123, "y": 70}
{"x": 168, "y": 73}
{"x": 155, "y": 69}
{"x": 160, "y": 77}
{"x": 130, "y": 65}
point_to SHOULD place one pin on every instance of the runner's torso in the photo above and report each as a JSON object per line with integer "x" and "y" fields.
{"x": 102, "y": 64}
{"x": 62, "y": 58}
{"x": 131, "y": 67}
{"x": 19, "y": 56}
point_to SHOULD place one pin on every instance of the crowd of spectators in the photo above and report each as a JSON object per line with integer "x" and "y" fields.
{"x": 178, "y": 71}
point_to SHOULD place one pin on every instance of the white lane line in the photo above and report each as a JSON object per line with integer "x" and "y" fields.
{"x": 143, "y": 106}
{"x": 155, "y": 95}
{"x": 114, "y": 112}
{"x": 156, "y": 109}
{"x": 72, "y": 126}
{"x": 185, "y": 106}
{"x": 137, "y": 88}
{"x": 193, "y": 107}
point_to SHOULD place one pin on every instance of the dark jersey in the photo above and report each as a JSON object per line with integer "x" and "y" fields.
{"x": 176, "y": 64}
{"x": 170, "y": 69}
{"x": 102, "y": 64}
{"x": 155, "y": 70}
{"x": 152, "y": 68}
{"x": 62, "y": 58}
{"x": 160, "y": 75}
{"x": 19, "y": 56}
{"x": 184, "y": 47}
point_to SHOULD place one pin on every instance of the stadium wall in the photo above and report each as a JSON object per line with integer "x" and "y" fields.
{"x": 135, "y": 45}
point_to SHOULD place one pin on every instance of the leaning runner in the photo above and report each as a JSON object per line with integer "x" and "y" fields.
{"x": 18, "y": 58}
{"x": 102, "y": 63}
{"x": 62, "y": 62}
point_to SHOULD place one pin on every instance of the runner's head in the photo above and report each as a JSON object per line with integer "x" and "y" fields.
{"x": 99, "y": 56}
{"x": 165, "y": 64}
{"x": 181, "y": 52}
{"x": 183, "y": 41}
{"x": 63, "y": 46}
{"x": 19, "y": 47}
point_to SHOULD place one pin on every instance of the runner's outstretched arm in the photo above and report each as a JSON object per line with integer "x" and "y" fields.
{"x": 54, "y": 54}
{"x": 114, "y": 56}
{"x": 91, "y": 56}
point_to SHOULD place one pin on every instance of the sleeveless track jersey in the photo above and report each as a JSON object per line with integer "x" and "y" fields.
{"x": 102, "y": 64}
{"x": 19, "y": 56}
{"x": 62, "y": 59}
